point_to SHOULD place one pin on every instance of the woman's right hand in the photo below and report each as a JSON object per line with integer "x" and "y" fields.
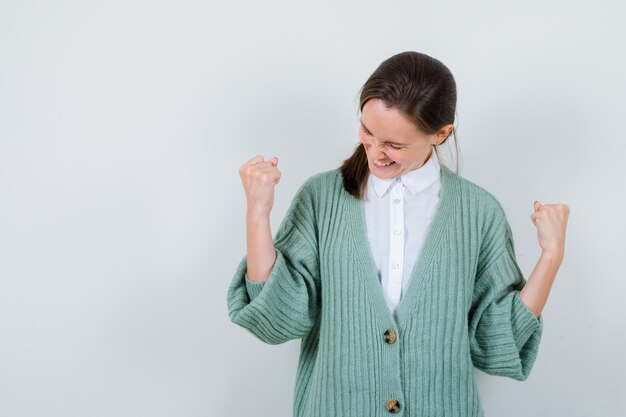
{"x": 259, "y": 178}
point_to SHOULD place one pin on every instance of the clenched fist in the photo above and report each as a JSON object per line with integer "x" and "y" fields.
{"x": 259, "y": 178}
{"x": 551, "y": 223}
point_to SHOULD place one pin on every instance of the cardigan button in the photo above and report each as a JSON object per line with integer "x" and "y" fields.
{"x": 393, "y": 406}
{"x": 390, "y": 336}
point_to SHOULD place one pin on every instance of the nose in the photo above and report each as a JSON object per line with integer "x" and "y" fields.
{"x": 376, "y": 152}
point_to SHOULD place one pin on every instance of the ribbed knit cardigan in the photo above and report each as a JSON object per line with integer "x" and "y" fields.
{"x": 357, "y": 359}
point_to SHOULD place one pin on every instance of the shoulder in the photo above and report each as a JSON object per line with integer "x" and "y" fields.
{"x": 315, "y": 189}
{"x": 324, "y": 179}
{"x": 482, "y": 205}
{"x": 321, "y": 183}
{"x": 482, "y": 200}
{"x": 479, "y": 203}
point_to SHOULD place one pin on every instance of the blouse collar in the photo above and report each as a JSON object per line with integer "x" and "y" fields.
{"x": 415, "y": 180}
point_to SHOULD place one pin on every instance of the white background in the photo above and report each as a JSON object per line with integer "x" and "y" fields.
{"x": 122, "y": 215}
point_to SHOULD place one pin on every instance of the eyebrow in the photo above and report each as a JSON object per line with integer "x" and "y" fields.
{"x": 387, "y": 141}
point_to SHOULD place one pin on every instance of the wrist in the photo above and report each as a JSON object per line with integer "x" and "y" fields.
{"x": 553, "y": 255}
{"x": 256, "y": 213}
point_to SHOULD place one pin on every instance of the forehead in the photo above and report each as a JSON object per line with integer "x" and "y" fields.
{"x": 387, "y": 123}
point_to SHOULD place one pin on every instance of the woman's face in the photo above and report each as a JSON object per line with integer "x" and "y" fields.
{"x": 390, "y": 137}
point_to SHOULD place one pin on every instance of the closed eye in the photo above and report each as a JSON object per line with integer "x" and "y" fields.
{"x": 388, "y": 144}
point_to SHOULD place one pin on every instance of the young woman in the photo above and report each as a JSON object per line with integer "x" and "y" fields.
{"x": 398, "y": 274}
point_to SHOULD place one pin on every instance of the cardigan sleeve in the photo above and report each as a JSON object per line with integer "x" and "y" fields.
{"x": 286, "y": 306}
{"x": 504, "y": 333}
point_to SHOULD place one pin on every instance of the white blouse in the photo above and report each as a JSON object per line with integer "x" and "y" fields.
{"x": 398, "y": 217}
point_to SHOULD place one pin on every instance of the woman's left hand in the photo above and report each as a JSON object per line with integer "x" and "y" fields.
{"x": 551, "y": 223}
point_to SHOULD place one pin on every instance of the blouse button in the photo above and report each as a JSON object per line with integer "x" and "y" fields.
{"x": 393, "y": 406}
{"x": 396, "y": 200}
{"x": 390, "y": 336}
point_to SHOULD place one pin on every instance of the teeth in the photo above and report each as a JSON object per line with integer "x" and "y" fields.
{"x": 383, "y": 165}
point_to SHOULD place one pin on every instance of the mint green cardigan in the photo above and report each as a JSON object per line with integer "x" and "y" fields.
{"x": 462, "y": 308}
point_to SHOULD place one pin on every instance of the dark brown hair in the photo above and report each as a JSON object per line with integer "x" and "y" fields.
{"x": 416, "y": 84}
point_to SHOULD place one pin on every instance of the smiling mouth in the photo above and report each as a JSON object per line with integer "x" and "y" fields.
{"x": 384, "y": 165}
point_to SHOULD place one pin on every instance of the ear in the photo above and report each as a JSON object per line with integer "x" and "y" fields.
{"x": 444, "y": 133}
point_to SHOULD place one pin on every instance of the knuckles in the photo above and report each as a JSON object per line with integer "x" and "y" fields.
{"x": 255, "y": 171}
